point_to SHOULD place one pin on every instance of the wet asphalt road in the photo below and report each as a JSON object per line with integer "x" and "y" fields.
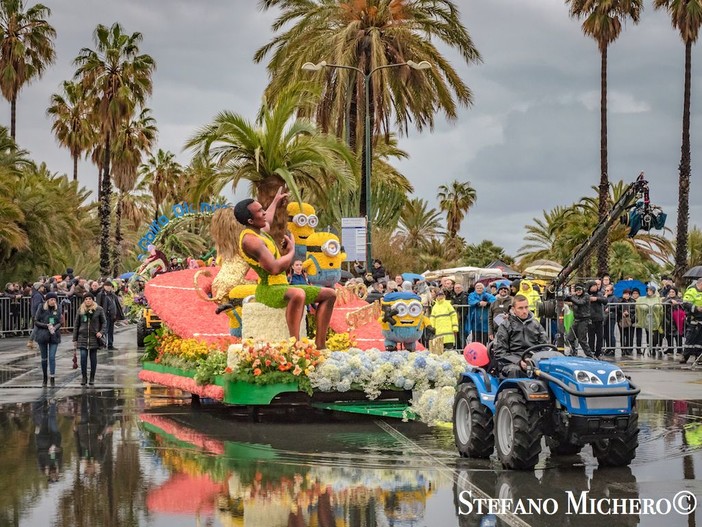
{"x": 136, "y": 456}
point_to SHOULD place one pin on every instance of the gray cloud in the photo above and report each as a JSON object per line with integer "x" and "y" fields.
{"x": 529, "y": 142}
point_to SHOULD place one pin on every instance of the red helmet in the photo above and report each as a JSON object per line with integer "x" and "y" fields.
{"x": 476, "y": 354}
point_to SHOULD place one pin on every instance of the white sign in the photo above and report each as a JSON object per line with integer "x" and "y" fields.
{"x": 353, "y": 238}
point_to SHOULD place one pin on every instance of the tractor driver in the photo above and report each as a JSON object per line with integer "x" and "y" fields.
{"x": 515, "y": 335}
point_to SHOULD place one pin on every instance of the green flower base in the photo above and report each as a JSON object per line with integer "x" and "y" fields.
{"x": 245, "y": 393}
{"x": 161, "y": 368}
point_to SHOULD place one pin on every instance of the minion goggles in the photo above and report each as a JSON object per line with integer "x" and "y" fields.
{"x": 330, "y": 247}
{"x": 413, "y": 309}
{"x": 302, "y": 220}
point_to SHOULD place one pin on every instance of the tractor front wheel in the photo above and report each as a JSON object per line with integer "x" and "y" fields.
{"x": 619, "y": 451}
{"x": 517, "y": 431}
{"x": 472, "y": 424}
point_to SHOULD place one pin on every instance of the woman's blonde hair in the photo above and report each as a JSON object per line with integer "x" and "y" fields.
{"x": 225, "y": 231}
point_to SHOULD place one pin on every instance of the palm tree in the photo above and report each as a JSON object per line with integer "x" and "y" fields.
{"x": 370, "y": 34}
{"x": 603, "y": 20}
{"x": 26, "y": 49}
{"x": 694, "y": 246}
{"x": 455, "y": 199}
{"x": 279, "y": 150}
{"x": 72, "y": 125}
{"x": 419, "y": 224}
{"x": 686, "y": 17}
{"x": 131, "y": 142}
{"x": 160, "y": 176}
{"x": 119, "y": 79}
{"x": 484, "y": 253}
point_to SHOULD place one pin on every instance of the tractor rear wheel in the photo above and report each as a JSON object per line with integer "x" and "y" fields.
{"x": 517, "y": 431}
{"x": 619, "y": 451}
{"x": 472, "y": 424}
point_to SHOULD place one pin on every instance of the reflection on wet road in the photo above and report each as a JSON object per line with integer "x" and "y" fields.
{"x": 115, "y": 458}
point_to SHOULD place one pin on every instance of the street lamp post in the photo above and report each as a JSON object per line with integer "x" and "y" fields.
{"x": 423, "y": 65}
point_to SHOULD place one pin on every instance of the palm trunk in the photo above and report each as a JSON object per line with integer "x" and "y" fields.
{"x": 603, "y": 249}
{"x": 75, "y": 168}
{"x": 684, "y": 170}
{"x": 105, "y": 212}
{"x": 266, "y": 191}
{"x": 13, "y": 116}
{"x": 117, "y": 249}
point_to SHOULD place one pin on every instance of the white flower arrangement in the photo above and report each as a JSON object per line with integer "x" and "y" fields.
{"x": 373, "y": 371}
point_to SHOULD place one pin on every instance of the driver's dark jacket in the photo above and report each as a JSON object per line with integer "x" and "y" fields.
{"x": 514, "y": 336}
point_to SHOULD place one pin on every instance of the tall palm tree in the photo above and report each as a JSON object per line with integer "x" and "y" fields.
{"x": 369, "y": 34}
{"x": 278, "y": 150}
{"x": 686, "y": 17}
{"x": 160, "y": 176}
{"x": 456, "y": 199}
{"x": 132, "y": 140}
{"x": 26, "y": 49}
{"x": 119, "y": 79}
{"x": 483, "y": 253}
{"x": 603, "y": 20}
{"x": 419, "y": 224}
{"x": 72, "y": 126}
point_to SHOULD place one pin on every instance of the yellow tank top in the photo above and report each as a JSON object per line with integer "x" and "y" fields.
{"x": 264, "y": 276}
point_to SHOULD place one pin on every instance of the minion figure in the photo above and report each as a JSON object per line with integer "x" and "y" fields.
{"x": 403, "y": 320}
{"x": 324, "y": 257}
{"x": 237, "y": 296}
{"x": 302, "y": 221}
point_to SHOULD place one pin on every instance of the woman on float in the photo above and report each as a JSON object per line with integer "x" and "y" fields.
{"x": 260, "y": 251}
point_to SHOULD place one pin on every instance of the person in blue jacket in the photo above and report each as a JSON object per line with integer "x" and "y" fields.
{"x": 479, "y": 302}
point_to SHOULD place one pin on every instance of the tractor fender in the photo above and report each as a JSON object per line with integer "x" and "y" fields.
{"x": 485, "y": 383}
{"x": 534, "y": 390}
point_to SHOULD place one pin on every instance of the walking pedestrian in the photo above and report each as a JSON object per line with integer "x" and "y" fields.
{"x": 88, "y": 335}
{"x": 47, "y": 324}
{"x": 108, "y": 301}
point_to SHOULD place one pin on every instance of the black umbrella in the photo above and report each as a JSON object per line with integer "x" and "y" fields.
{"x": 694, "y": 272}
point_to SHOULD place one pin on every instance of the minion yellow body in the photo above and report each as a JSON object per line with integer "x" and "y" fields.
{"x": 302, "y": 221}
{"x": 403, "y": 320}
{"x": 237, "y": 294}
{"x": 324, "y": 257}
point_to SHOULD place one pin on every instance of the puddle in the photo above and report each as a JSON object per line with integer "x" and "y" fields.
{"x": 153, "y": 460}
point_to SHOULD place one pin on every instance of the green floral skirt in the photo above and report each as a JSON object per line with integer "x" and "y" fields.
{"x": 274, "y": 295}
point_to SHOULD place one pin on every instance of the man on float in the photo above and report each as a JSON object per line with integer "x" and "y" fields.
{"x": 262, "y": 254}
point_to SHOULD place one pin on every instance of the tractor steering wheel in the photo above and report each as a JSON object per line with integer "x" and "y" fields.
{"x": 529, "y": 352}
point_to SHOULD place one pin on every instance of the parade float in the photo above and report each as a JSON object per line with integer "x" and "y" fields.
{"x": 216, "y": 342}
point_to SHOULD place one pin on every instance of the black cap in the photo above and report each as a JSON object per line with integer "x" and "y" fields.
{"x": 89, "y": 294}
{"x": 51, "y": 294}
{"x": 580, "y": 285}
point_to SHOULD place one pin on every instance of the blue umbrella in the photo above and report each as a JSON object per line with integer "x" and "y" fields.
{"x": 498, "y": 283}
{"x": 620, "y": 286}
{"x": 126, "y": 276}
{"x": 411, "y": 277}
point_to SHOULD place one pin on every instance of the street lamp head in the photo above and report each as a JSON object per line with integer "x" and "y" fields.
{"x": 311, "y": 66}
{"x": 424, "y": 65}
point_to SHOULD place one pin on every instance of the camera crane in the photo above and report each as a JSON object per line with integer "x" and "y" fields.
{"x": 641, "y": 217}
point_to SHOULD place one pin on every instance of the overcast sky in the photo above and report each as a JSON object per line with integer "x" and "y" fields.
{"x": 529, "y": 142}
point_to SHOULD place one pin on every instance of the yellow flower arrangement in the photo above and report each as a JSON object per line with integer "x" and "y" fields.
{"x": 340, "y": 342}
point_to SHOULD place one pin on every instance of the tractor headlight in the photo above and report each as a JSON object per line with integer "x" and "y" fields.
{"x": 616, "y": 377}
{"x": 585, "y": 377}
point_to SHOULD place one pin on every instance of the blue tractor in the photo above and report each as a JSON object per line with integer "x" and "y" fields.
{"x": 571, "y": 401}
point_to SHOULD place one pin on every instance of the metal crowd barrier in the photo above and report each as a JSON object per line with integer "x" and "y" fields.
{"x": 647, "y": 335}
{"x": 16, "y": 319}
